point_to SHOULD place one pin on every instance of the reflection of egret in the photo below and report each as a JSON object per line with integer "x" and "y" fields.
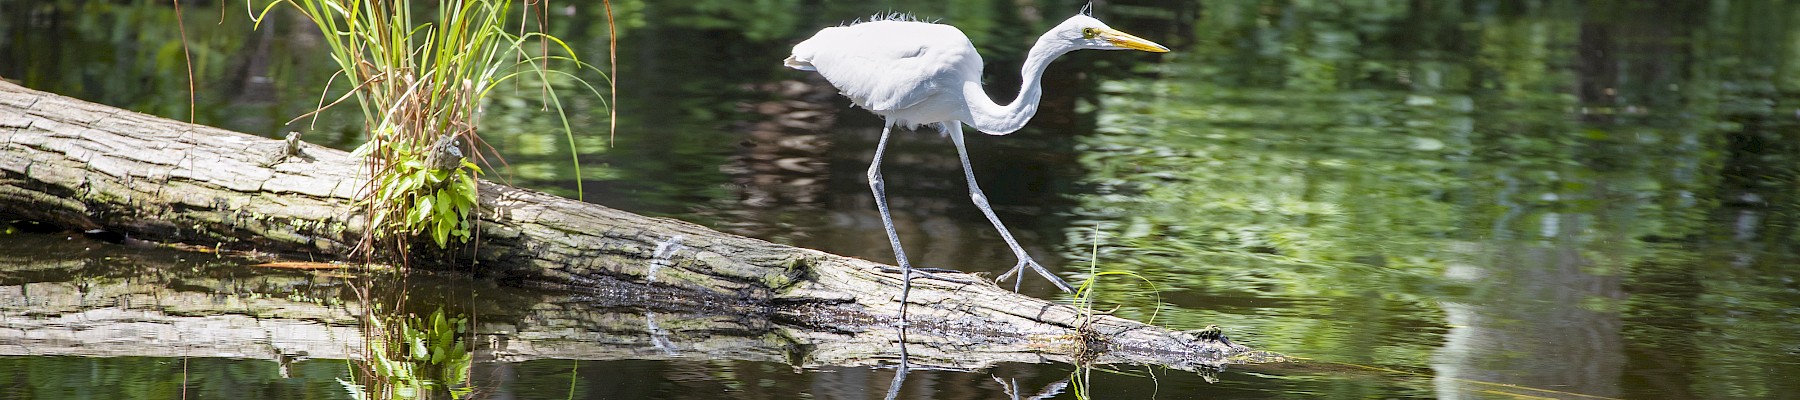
{"x": 915, "y": 73}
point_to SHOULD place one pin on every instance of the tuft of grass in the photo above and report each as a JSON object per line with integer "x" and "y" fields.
{"x": 421, "y": 83}
{"x": 1087, "y": 290}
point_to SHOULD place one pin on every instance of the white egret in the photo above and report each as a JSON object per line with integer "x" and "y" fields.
{"x": 915, "y": 73}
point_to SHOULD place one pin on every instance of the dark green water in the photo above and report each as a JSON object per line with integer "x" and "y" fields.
{"x": 1476, "y": 199}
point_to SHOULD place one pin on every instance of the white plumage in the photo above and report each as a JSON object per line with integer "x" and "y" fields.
{"x": 906, "y": 71}
{"x": 914, "y": 73}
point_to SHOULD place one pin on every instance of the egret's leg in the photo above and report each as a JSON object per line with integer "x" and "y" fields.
{"x": 887, "y": 221}
{"x": 982, "y": 203}
{"x": 907, "y": 271}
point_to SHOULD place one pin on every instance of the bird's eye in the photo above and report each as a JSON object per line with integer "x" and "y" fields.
{"x": 1089, "y": 33}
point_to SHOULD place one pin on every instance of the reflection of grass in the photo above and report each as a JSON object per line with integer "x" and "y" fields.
{"x": 420, "y": 87}
{"x": 420, "y": 358}
{"x": 1080, "y": 379}
{"x": 1091, "y": 343}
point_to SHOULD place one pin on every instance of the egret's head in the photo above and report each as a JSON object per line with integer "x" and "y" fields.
{"x": 1084, "y": 32}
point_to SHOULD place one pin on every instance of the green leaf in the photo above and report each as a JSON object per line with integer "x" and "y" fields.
{"x": 468, "y": 195}
{"x": 388, "y": 188}
{"x": 442, "y": 233}
{"x": 427, "y": 205}
{"x": 413, "y": 217}
{"x": 408, "y": 183}
{"x": 443, "y": 205}
{"x": 435, "y": 177}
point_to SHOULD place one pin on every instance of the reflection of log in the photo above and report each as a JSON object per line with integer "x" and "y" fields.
{"x": 89, "y": 166}
{"x": 117, "y": 301}
{"x": 151, "y": 308}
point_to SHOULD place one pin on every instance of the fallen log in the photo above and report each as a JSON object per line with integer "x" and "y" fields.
{"x": 88, "y": 166}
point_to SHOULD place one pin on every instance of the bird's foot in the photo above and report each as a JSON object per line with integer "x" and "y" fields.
{"x": 927, "y": 273}
{"x": 1019, "y": 269}
{"x": 908, "y": 273}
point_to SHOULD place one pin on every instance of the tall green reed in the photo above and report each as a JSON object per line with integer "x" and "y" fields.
{"x": 420, "y": 83}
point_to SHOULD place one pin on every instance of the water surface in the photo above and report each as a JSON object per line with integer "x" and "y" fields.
{"x": 1426, "y": 200}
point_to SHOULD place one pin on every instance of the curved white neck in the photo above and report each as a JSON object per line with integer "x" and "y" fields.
{"x": 995, "y": 119}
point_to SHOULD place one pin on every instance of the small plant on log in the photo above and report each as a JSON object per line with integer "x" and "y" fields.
{"x": 420, "y": 87}
{"x": 1089, "y": 343}
{"x": 435, "y": 193}
{"x": 1086, "y": 290}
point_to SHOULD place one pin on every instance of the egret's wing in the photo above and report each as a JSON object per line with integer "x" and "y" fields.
{"x": 889, "y": 65}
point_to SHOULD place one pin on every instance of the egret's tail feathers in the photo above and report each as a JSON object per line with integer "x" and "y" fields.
{"x": 796, "y": 63}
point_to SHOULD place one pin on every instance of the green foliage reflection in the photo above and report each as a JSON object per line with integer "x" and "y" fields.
{"x": 1357, "y": 178}
{"x": 421, "y": 358}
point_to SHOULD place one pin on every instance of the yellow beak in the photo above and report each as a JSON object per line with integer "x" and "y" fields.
{"x": 1125, "y": 40}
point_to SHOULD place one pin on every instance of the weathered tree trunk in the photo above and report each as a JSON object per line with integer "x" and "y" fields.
{"x": 89, "y": 166}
